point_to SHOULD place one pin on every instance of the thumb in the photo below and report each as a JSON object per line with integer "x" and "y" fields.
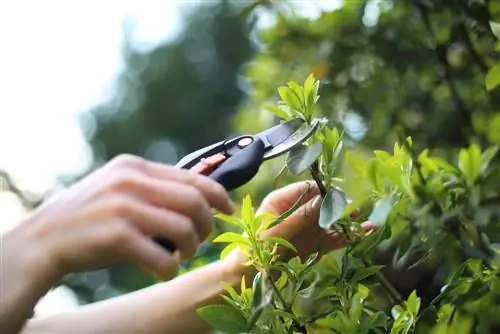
{"x": 306, "y": 215}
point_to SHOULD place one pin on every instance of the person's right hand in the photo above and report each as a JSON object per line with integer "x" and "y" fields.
{"x": 109, "y": 216}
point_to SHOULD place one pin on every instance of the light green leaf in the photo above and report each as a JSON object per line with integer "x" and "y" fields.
{"x": 230, "y": 237}
{"x": 289, "y": 97}
{"x": 302, "y": 157}
{"x": 332, "y": 208}
{"x": 308, "y": 88}
{"x": 230, "y": 220}
{"x": 495, "y": 28}
{"x": 493, "y": 78}
{"x": 282, "y": 242}
{"x": 279, "y": 112}
{"x": 224, "y": 318}
{"x": 364, "y": 272}
{"x": 247, "y": 210}
{"x": 413, "y": 303}
{"x": 230, "y": 290}
{"x": 382, "y": 210}
{"x": 475, "y": 161}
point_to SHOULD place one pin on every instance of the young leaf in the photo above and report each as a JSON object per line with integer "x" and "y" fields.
{"x": 332, "y": 208}
{"x": 224, "y": 318}
{"x": 231, "y": 220}
{"x": 230, "y": 290}
{"x": 382, "y": 210}
{"x": 413, "y": 303}
{"x": 289, "y": 97}
{"x": 493, "y": 78}
{"x": 230, "y": 237}
{"x": 279, "y": 112}
{"x": 302, "y": 157}
{"x": 247, "y": 210}
{"x": 282, "y": 242}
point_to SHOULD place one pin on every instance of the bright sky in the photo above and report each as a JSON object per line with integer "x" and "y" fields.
{"x": 58, "y": 59}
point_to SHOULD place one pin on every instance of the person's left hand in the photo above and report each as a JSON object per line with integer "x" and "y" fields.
{"x": 301, "y": 228}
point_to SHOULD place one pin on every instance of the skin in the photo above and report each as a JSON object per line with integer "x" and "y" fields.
{"x": 107, "y": 218}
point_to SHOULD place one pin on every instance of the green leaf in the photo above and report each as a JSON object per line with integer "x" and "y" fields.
{"x": 224, "y": 318}
{"x": 381, "y": 210}
{"x": 231, "y": 220}
{"x": 495, "y": 28}
{"x": 230, "y": 290}
{"x": 302, "y": 157}
{"x": 230, "y": 237}
{"x": 289, "y": 97}
{"x": 493, "y": 78}
{"x": 413, "y": 303}
{"x": 247, "y": 210}
{"x": 364, "y": 272}
{"x": 262, "y": 293}
{"x": 282, "y": 242}
{"x": 279, "y": 112}
{"x": 332, "y": 208}
{"x": 487, "y": 156}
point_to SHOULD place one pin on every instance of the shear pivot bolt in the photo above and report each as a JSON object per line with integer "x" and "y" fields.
{"x": 245, "y": 142}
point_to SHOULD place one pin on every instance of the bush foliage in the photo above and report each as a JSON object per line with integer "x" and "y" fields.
{"x": 408, "y": 103}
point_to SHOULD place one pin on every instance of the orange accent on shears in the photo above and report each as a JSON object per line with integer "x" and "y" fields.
{"x": 207, "y": 165}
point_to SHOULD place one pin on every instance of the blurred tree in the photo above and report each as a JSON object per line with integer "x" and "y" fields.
{"x": 169, "y": 101}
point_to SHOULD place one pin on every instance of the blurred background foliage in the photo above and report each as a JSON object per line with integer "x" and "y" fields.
{"x": 386, "y": 66}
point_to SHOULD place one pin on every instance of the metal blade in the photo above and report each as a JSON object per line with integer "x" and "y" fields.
{"x": 286, "y": 138}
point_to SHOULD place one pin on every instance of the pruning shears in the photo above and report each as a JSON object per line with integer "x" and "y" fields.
{"x": 234, "y": 162}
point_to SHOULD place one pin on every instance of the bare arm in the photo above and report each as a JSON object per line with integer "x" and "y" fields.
{"x": 163, "y": 308}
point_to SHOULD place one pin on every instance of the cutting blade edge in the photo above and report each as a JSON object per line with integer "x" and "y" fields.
{"x": 293, "y": 139}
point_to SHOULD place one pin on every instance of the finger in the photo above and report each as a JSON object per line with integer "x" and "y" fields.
{"x": 284, "y": 198}
{"x": 157, "y": 222}
{"x": 173, "y": 196}
{"x": 213, "y": 191}
{"x": 306, "y": 215}
{"x": 147, "y": 254}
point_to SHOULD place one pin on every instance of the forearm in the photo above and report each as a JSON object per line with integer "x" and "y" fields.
{"x": 25, "y": 277}
{"x": 164, "y": 308}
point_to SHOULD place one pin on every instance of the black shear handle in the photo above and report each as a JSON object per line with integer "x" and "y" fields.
{"x": 232, "y": 173}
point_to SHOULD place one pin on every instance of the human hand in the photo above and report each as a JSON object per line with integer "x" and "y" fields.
{"x": 109, "y": 216}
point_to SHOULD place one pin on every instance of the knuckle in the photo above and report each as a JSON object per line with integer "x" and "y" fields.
{"x": 126, "y": 160}
{"x": 122, "y": 182}
{"x": 185, "y": 229}
{"x": 119, "y": 234}
{"x": 121, "y": 207}
{"x": 196, "y": 201}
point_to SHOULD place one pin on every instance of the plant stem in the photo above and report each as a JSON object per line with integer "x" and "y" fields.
{"x": 384, "y": 282}
{"x": 314, "y": 169}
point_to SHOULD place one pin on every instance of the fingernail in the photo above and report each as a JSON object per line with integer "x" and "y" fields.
{"x": 318, "y": 200}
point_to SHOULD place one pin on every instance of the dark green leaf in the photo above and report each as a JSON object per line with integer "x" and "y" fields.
{"x": 364, "y": 272}
{"x": 224, "y": 318}
{"x": 302, "y": 157}
{"x": 332, "y": 208}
